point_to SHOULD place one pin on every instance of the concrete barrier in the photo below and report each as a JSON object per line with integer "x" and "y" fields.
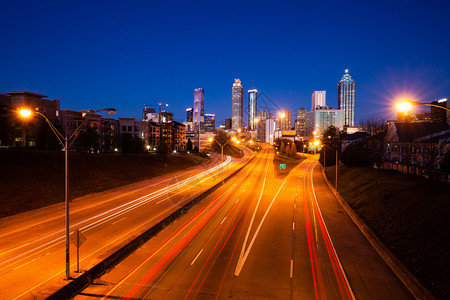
{"x": 80, "y": 283}
{"x": 409, "y": 280}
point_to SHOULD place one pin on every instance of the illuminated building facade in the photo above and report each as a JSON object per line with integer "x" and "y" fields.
{"x": 237, "y": 105}
{"x": 252, "y": 108}
{"x": 199, "y": 109}
{"x": 300, "y": 130}
{"x": 210, "y": 122}
{"x": 346, "y": 98}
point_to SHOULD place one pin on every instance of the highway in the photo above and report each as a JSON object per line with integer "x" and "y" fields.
{"x": 32, "y": 244}
{"x": 257, "y": 237}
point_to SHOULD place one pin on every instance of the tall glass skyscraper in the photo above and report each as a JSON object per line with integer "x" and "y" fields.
{"x": 252, "y": 108}
{"x": 199, "y": 109}
{"x": 237, "y": 105}
{"x": 346, "y": 98}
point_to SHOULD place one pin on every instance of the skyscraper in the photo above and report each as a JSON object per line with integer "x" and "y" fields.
{"x": 210, "y": 122}
{"x": 300, "y": 123}
{"x": 285, "y": 122}
{"x": 346, "y": 98}
{"x": 252, "y": 107}
{"x": 237, "y": 105}
{"x": 318, "y": 100}
{"x": 199, "y": 109}
{"x": 189, "y": 115}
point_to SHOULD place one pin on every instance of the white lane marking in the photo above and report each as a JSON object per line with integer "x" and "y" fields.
{"x": 119, "y": 220}
{"x": 295, "y": 205}
{"x": 242, "y": 260}
{"x": 293, "y": 226}
{"x": 161, "y": 201}
{"x": 196, "y": 257}
{"x": 251, "y": 221}
{"x": 244, "y": 191}
{"x": 292, "y": 268}
{"x": 237, "y": 201}
{"x": 223, "y": 220}
{"x": 329, "y": 237}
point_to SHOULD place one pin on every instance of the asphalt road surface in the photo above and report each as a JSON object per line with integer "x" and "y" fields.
{"x": 32, "y": 244}
{"x": 257, "y": 237}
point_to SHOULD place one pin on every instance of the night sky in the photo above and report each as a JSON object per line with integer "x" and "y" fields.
{"x": 124, "y": 54}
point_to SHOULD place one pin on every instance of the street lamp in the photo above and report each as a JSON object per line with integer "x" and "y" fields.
{"x": 221, "y": 148}
{"x": 406, "y": 105}
{"x": 64, "y": 140}
{"x": 316, "y": 143}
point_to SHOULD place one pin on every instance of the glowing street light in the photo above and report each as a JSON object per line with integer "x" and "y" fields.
{"x": 64, "y": 140}
{"x": 406, "y": 105}
{"x": 25, "y": 113}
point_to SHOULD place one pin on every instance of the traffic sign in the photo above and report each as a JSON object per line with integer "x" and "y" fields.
{"x": 282, "y": 166}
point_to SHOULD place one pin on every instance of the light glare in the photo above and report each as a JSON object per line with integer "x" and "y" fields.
{"x": 26, "y": 113}
{"x": 404, "y": 106}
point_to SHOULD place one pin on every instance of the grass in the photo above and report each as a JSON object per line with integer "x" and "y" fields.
{"x": 409, "y": 217}
{"x": 229, "y": 149}
{"x": 289, "y": 162}
{"x": 34, "y": 179}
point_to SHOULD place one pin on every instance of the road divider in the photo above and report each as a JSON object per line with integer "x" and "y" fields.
{"x": 80, "y": 283}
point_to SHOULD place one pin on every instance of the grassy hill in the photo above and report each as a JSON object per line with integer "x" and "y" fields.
{"x": 34, "y": 179}
{"x": 410, "y": 216}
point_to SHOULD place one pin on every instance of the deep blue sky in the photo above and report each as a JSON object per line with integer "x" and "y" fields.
{"x": 124, "y": 54}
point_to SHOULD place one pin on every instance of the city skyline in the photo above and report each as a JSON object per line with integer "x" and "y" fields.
{"x": 128, "y": 55}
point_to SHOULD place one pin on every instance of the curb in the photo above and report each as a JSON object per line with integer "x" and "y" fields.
{"x": 407, "y": 278}
{"x": 80, "y": 283}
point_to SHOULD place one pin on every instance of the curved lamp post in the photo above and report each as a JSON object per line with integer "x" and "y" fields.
{"x": 406, "y": 105}
{"x": 64, "y": 140}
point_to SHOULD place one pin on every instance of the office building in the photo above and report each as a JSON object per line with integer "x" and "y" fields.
{"x": 210, "y": 122}
{"x": 252, "y": 109}
{"x": 166, "y": 116}
{"x": 237, "y": 121}
{"x": 285, "y": 123}
{"x": 189, "y": 114}
{"x": 346, "y": 98}
{"x": 300, "y": 130}
{"x": 228, "y": 124}
{"x": 320, "y": 119}
{"x": 318, "y": 100}
{"x": 199, "y": 109}
{"x": 440, "y": 115}
{"x": 148, "y": 113}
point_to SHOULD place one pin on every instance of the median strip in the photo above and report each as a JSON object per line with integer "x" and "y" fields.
{"x": 80, "y": 283}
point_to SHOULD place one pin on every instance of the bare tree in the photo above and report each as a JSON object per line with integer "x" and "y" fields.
{"x": 430, "y": 159}
{"x": 373, "y": 125}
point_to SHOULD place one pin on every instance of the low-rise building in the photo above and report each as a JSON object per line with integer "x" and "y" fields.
{"x": 18, "y": 132}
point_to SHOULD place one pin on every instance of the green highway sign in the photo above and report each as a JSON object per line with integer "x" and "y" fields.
{"x": 282, "y": 166}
